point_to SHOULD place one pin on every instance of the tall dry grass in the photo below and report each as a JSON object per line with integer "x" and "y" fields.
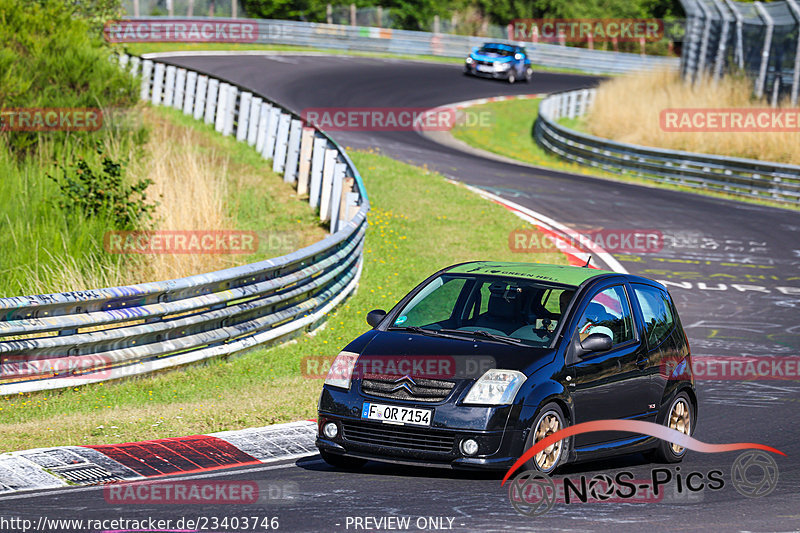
{"x": 198, "y": 184}
{"x": 627, "y": 109}
{"x": 190, "y": 184}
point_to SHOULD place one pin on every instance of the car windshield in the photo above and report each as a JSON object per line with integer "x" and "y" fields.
{"x": 496, "y": 50}
{"x": 489, "y": 307}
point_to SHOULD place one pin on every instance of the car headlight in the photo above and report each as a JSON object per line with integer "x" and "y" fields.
{"x": 495, "y": 387}
{"x": 469, "y": 60}
{"x": 341, "y": 371}
{"x": 502, "y": 66}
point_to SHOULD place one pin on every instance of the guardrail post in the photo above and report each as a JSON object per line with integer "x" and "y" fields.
{"x": 327, "y": 183}
{"x": 272, "y": 133}
{"x": 158, "y": 83}
{"x": 243, "y": 122}
{"x": 263, "y": 125}
{"x": 200, "y": 97}
{"x": 180, "y": 88}
{"x": 304, "y": 166}
{"x": 719, "y": 60}
{"x": 281, "y": 140}
{"x": 252, "y": 127}
{"x": 222, "y": 107}
{"x": 293, "y": 151}
{"x": 572, "y": 104}
{"x": 585, "y": 102}
{"x": 352, "y": 203}
{"x": 347, "y": 190}
{"x": 135, "y": 62}
{"x": 336, "y": 194}
{"x": 762, "y": 71}
{"x": 317, "y": 164}
{"x": 795, "y": 8}
{"x": 188, "y": 92}
{"x": 230, "y": 110}
{"x": 689, "y": 51}
{"x": 211, "y": 100}
{"x": 123, "y": 60}
{"x": 147, "y": 70}
{"x": 169, "y": 87}
{"x": 701, "y": 60}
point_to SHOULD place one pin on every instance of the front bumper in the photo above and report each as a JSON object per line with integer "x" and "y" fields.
{"x": 497, "y": 74}
{"x": 499, "y": 443}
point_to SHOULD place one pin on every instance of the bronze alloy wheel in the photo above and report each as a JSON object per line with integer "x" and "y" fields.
{"x": 548, "y": 424}
{"x": 680, "y": 418}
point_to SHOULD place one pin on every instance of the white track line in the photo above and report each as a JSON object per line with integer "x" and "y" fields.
{"x": 538, "y": 219}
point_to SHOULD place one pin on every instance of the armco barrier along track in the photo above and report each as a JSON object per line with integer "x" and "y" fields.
{"x": 67, "y": 339}
{"x": 742, "y": 177}
{"x": 384, "y": 40}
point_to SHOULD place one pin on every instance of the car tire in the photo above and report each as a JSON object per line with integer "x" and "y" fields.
{"x": 528, "y": 74}
{"x": 341, "y": 461}
{"x": 511, "y": 77}
{"x": 549, "y": 419}
{"x": 680, "y": 416}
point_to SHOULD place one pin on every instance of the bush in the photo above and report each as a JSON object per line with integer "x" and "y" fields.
{"x": 104, "y": 193}
{"x": 51, "y": 57}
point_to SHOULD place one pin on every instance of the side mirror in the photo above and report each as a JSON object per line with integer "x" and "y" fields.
{"x": 375, "y": 317}
{"x": 596, "y": 342}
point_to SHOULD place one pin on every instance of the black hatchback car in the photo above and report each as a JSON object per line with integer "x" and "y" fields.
{"x": 484, "y": 359}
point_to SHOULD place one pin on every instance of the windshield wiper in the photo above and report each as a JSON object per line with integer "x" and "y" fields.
{"x": 423, "y": 331}
{"x": 493, "y": 336}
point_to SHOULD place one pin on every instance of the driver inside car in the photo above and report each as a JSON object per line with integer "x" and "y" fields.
{"x": 593, "y": 320}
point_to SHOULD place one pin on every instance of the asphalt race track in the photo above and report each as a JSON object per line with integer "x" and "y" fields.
{"x": 730, "y": 266}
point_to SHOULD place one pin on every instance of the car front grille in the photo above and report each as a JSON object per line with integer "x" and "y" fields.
{"x": 406, "y": 388}
{"x": 403, "y": 437}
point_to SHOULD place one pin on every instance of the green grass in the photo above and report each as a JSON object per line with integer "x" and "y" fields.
{"x": 39, "y": 239}
{"x": 510, "y": 133}
{"x": 419, "y": 223}
{"x": 147, "y": 48}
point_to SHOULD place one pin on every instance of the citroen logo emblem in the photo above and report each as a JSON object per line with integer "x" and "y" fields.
{"x": 404, "y": 382}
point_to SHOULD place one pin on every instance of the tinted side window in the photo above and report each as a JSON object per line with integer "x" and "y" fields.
{"x": 657, "y": 313}
{"x": 610, "y": 314}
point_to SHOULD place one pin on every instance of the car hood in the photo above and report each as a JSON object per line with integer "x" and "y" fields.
{"x": 491, "y": 57}
{"x": 400, "y": 353}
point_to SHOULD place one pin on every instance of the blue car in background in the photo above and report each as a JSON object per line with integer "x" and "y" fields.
{"x": 499, "y": 61}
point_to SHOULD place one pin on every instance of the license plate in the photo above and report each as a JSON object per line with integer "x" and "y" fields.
{"x": 485, "y": 68}
{"x": 395, "y": 414}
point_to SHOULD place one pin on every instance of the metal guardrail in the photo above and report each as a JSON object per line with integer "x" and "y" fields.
{"x": 737, "y": 176}
{"x": 63, "y": 340}
{"x": 383, "y": 40}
